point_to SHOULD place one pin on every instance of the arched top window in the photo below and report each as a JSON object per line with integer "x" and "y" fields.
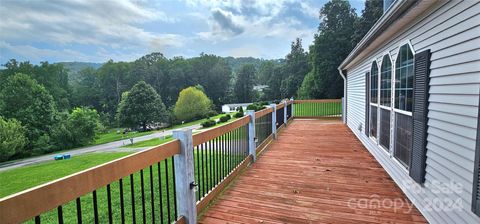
{"x": 404, "y": 79}
{"x": 385, "y": 81}
{"x": 374, "y": 83}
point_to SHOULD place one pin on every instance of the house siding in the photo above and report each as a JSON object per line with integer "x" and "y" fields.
{"x": 451, "y": 31}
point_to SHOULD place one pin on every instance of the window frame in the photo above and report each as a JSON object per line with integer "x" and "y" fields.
{"x": 392, "y": 69}
{"x": 375, "y": 138}
{"x": 394, "y": 75}
{"x": 395, "y": 110}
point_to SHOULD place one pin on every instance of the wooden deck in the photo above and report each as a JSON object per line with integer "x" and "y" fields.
{"x": 316, "y": 172}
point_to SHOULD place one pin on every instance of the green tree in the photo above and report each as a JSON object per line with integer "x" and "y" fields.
{"x": 370, "y": 14}
{"x": 331, "y": 46}
{"x": 192, "y": 104}
{"x": 143, "y": 106}
{"x": 30, "y": 103}
{"x": 295, "y": 68}
{"x": 12, "y": 138}
{"x": 54, "y": 77}
{"x": 244, "y": 83}
{"x": 82, "y": 125}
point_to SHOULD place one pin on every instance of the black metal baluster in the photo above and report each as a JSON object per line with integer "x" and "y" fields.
{"x": 230, "y": 146}
{"x": 152, "y": 195}
{"x": 109, "y": 204}
{"x": 60, "y": 214}
{"x": 174, "y": 191}
{"x": 160, "y": 192}
{"x": 210, "y": 164}
{"x": 95, "y": 206}
{"x": 223, "y": 156}
{"x": 142, "y": 189}
{"x": 168, "y": 191}
{"x": 217, "y": 168}
{"x": 197, "y": 163}
{"x": 132, "y": 191}
{"x": 37, "y": 219}
{"x": 79, "y": 211}
{"x": 203, "y": 169}
{"x": 122, "y": 203}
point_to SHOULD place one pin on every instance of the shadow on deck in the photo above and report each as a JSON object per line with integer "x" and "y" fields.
{"x": 316, "y": 172}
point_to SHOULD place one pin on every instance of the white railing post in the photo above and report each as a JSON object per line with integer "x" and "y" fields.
{"x": 274, "y": 120}
{"x": 185, "y": 177}
{"x": 285, "y": 103}
{"x": 252, "y": 149}
{"x": 293, "y": 106}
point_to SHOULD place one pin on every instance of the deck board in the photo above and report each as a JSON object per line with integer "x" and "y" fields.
{"x": 315, "y": 172}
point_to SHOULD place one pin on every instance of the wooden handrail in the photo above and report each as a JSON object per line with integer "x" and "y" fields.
{"x": 218, "y": 131}
{"x": 280, "y": 106}
{"x": 263, "y": 112}
{"x": 34, "y": 201}
{"x": 319, "y": 101}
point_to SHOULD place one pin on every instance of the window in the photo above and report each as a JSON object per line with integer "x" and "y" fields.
{"x": 374, "y": 83}
{"x": 373, "y": 100}
{"x": 386, "y": 82}
{"x": 404, "y": 79}
{"x": 385, "y": 100}
{"x": 403, "y": 102}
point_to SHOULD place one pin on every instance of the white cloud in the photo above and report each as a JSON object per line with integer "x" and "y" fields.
{"x": 107, "y": 23}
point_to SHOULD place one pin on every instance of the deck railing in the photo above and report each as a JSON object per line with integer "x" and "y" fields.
{"x": 318, "y": 108}
{"x": 171, "y": 182}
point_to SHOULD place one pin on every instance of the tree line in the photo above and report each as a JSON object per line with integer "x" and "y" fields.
{"x": 43, "y": 110}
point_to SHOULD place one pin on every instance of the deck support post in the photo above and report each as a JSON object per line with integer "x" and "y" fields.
{"x": 293, "y": 107}
{"x": 285, "y": 104}
{"x": 274, "y": 120}
{"x": 251, "y": 135}
{"x": 185, "y": 176}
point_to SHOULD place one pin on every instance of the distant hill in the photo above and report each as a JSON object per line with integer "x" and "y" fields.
{"x": 75, "y": 67}
{"x": 236, "y": 63}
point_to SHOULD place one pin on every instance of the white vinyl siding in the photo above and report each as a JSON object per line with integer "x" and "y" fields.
{"x": 452, "y": 32}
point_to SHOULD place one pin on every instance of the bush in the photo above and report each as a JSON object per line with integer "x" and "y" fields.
{"x": 12, "y": 138}
{"x": 238, "y": 114}
{"x": 208, "y": 123}
{"x": 255, "y": 106}
{"x": 225, "y": 118}
{"x": 212, "y": 113}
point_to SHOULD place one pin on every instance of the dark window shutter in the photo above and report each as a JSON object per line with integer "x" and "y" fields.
{"x": 367, "y": 103}
{"x": 476, "y": 171}
{"x": 421, "y": 82}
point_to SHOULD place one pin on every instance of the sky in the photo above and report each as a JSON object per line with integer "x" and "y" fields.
{"x": 124, "y": 30}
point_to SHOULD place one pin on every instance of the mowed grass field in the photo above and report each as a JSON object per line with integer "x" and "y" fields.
{"x": 162, "y": 185}
{"x": 19, "y": 179}
{"x": 318, "y": 109}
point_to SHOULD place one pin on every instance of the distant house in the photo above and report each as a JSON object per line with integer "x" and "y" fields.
{"x": 260, "y": 88}
{"x": 227, "y": 108}
{"x": 412, "y": 98}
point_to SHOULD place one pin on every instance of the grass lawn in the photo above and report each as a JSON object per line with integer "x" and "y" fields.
{"x": 19, "y": 179}
{"x": 163, "y": 203}
{"x": 317, "y": 109}
{"x": 112, "y": 136}
{"x": 149, "y": 143}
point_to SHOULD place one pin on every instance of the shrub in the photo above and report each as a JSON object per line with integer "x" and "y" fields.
{"x": 238, "y": 114}
{"x": 212, "y": 113}
{"x": 255, "y": 106}
{"x": 208, "y": 123}
{"x": 12, "y": 138}
{"x": 225, "y": 118}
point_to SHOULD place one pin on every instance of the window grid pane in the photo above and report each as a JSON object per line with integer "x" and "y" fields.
{"x": 374, "y": 83}
{"x": 373, "y": 121}
{"x": 404, "y": 79}
{"x": 385, "y": 128}
{"x": 403, "y": 138}
{"x": 385, "y": 82}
